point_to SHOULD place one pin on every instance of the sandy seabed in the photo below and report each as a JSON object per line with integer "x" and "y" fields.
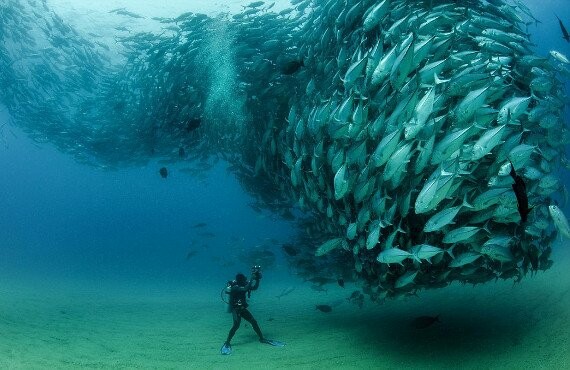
{"x": 58, "y": 324}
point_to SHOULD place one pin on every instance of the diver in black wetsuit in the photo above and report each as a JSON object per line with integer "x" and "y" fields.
{"x": 237, "y": 291}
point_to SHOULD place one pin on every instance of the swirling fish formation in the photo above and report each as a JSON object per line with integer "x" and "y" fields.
{"x": 399, "y": 127}
{"x": 410, "y": 117}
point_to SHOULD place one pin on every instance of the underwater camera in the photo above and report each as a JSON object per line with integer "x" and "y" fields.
{"x": 256, "y": 272}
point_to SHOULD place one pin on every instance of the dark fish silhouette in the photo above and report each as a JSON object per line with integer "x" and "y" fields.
{"x": 519, "y": 188}
{"x": 288, "y": 215}
{"x": 423, "y": 322}
{"x": 324, "y": 308}
{"x": 354, "y": 295}
{"x": 163, "y": 172}
{"x": 565, "y": 34}
{"x": 123, "y": 11}
{"x": 201, "y": 224}
{"x": 533, "y": 255}
{"x": 292, "y": 66}
{"x": 319, "y": 280}
{"x": 340, "y": 282}
{"x": 285, "y": 292}
{"x": 359, "y": 301}
{"x": 318, "y": 288}
{"x": 289, "y": 249}
{"x": 181, "y": 152}
{"x": 193, "y": 124}
{"x": 191, "y": 254}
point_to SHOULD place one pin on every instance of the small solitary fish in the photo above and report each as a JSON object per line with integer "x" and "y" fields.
{"x": 163, "y": 172}
{"x": 319, "y": 280}
{"x": 191, "y": 254}
{"x": 354, "y": 295}
{"x": 565, "y": 34}
{"x": 285, "y": 292}
{"x": 559, "y": 57}
{"x": 318, "y": 288}
{"x": 560, "y": 221}
{"x": 289, "y": 249}
{"x": 340, "y": 282}
{"x": 207, "y": 235}
{"x": 324, "y": 308}
{"x": 423, "y": 322}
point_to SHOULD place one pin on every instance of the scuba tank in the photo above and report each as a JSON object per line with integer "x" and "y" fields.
{"x": 227, "y": 290}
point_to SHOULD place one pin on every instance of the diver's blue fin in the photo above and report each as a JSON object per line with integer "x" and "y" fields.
{"x": 226, "y": 349}
{"x": 273, "y": 342}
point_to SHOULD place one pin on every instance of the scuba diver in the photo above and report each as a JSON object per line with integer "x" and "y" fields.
{"x": 237, "y": 305}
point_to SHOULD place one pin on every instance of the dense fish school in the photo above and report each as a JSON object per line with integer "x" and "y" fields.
{"x": 413, "y": 135}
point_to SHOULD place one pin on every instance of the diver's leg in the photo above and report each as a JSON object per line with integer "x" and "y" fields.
{"x": 249, "y": 317}
{"x": 237, "y": 321}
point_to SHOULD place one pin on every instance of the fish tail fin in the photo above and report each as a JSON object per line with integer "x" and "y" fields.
{"x": 480, "y": 127}
{"x": 438, "y": 80}
{"x": 524, "y": 130}
{"x": 450, "y": 251}
{"x": 400, "y": 228}
{"x": 465, "y": 203}
{"x": 486, "y": 227}
{"x": 532, "y": 94}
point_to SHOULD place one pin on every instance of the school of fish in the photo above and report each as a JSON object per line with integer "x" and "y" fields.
{"x": 420, "y": 139}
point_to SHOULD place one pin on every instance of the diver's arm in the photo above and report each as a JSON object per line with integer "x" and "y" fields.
{"x": 253, "y": 284}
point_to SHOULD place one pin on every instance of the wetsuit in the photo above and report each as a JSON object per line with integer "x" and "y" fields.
{"x": 238, "y": 305}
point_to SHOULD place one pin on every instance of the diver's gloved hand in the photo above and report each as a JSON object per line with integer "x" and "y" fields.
{"x": 256, "y": 272}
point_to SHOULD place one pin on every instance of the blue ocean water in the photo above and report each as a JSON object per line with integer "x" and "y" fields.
{"x": 63, "y": 220}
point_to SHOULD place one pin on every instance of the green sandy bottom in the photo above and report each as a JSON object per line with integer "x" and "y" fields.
{"x": 72, "y": 324}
